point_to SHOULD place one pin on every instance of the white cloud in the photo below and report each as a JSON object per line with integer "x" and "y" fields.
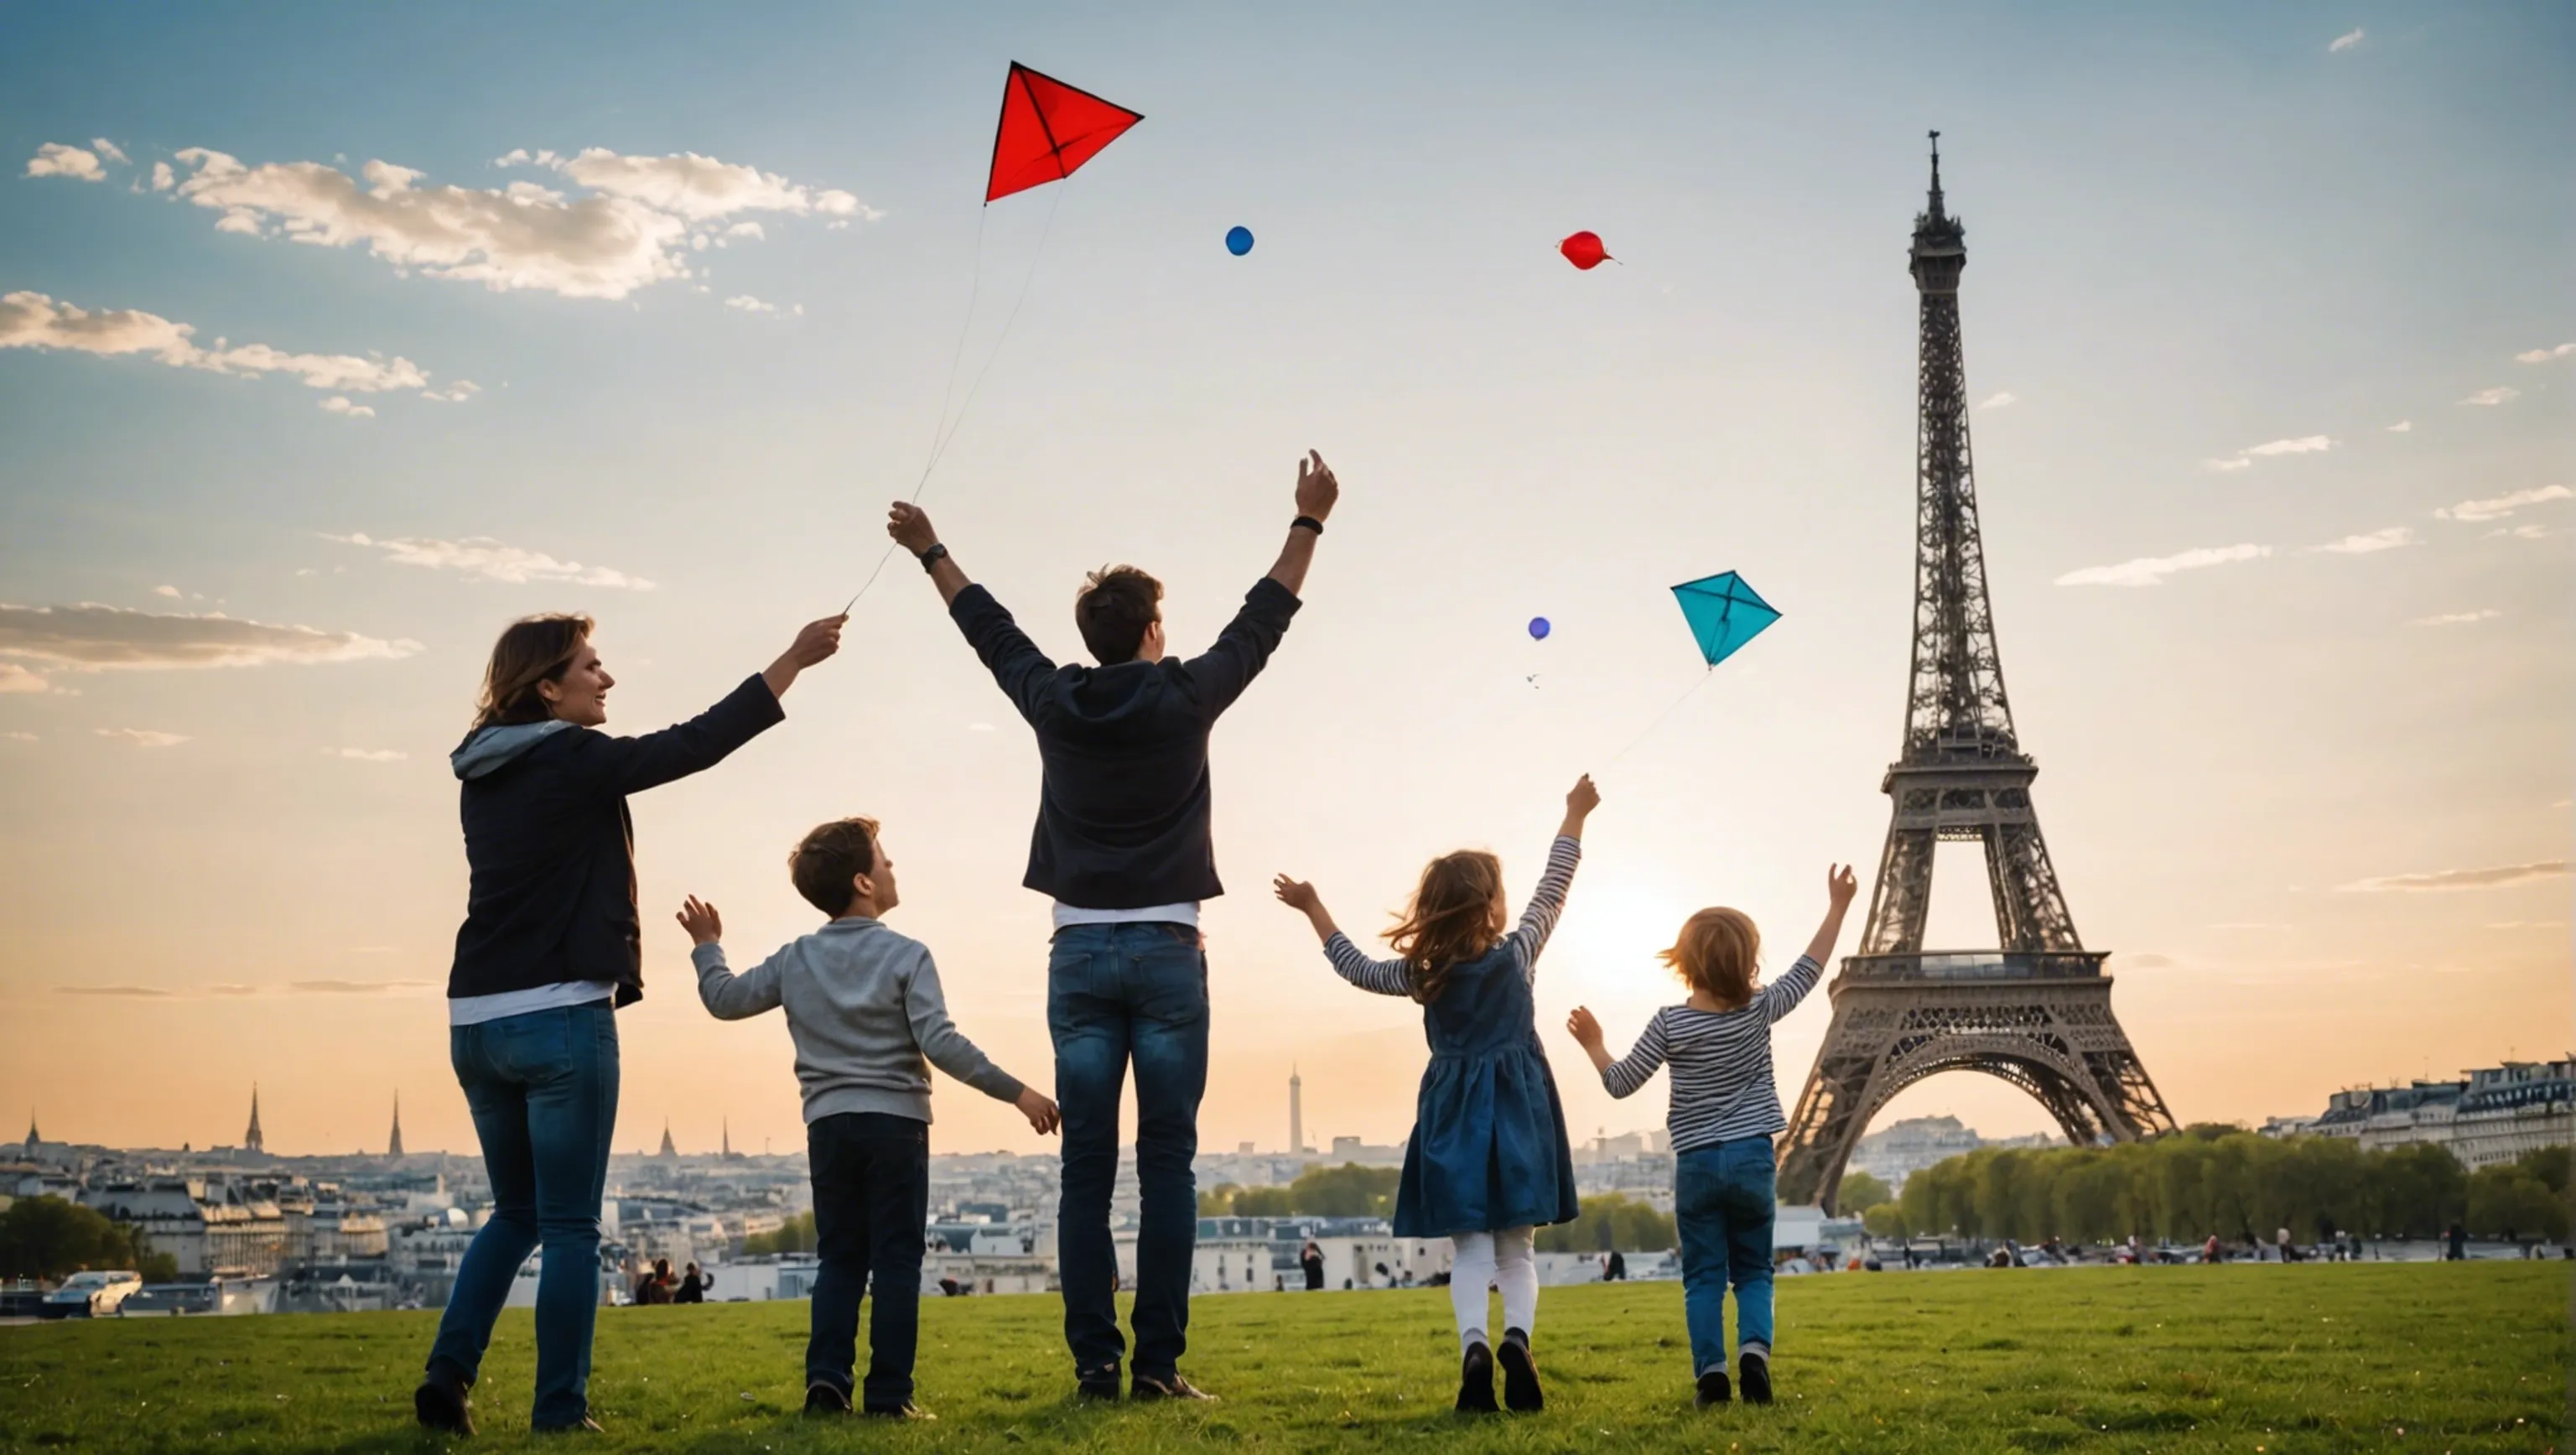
{"x": 488, "y": 558}
{"x": 366, "y": 755}
{"x": 54, "y": 159}
{"x": 19, "y": 737}
{"x": 14, "y": 678}
{"x": 339, "y": 404}
{"x": 1996, "y": 401}
{"x": 2304, "y": 445}
{"x": 2543, "y": 356}
{"x": 2496, "y": 507}
{"x": 2495, "y": 878}
{"x": 2523, "y": 532}
{"x": 2402, "y": 426}
{"x": 142, "y": 737}
{"x": 2363, "y": 545}
{"x": 2459, "y": 618}
{"x": 747, "y": 229}
{"x": 2500, "y": 394}
{"x": 109, "y": 150}
{"x": 2346, "y": 41}
{"x": 630, "y": 231}
{"x": 163, "y": 179}
{"x": 2238, "y": 463}
{"x": 458, "y": 393}
{"x": 2152, "y": 570}
{"x": 169, "y": 591}
{"x": 90, "y": 637}
{"x": 749, "y": 304}
{"x": 35, "y": 321}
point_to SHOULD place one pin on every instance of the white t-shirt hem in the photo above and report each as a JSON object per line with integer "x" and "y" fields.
{"x": 474, "y": 1010}
{"x": 1185, "y": 913}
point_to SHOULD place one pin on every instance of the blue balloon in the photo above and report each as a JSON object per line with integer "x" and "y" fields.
{"x": 1538, "y": 628}
{"x": 1238, "y": 240}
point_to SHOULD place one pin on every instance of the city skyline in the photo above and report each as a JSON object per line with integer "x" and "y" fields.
{"x": 2267, "y": 338}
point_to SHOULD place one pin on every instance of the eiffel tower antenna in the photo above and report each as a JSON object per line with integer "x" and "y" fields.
{"x": 2036, "y": 1010}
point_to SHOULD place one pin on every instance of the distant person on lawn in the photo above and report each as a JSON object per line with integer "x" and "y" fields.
{"x": 1725, "y": 1111}
{"x": 1488, "y": 1161}
{"x": 550, "y": 945}
{"x": 865, "y": 1010}
{"x": 1123, "y": 847}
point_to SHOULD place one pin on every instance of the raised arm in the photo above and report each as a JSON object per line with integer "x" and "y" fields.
{"x": 1538, "y": 920}
{"x": 1782, "y": 996}
{"x": 1378, "y": 977}
{"x": 912, "y": 530}
{"x": 649, "y": 760}
{"x": 1317, "y": 491}
{"x": 727, "y": 996}
{"x": 1018, "y": 667}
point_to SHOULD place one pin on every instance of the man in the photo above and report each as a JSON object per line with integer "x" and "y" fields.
{"x": 1122, "y": 846}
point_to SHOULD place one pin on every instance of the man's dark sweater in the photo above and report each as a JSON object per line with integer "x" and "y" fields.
{"x": 1123, "y": 810}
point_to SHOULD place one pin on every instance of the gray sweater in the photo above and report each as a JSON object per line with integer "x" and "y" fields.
{"x": 864, "y": 1008}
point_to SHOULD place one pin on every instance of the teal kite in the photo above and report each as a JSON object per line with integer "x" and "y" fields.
{"x": 1724, "y": 613}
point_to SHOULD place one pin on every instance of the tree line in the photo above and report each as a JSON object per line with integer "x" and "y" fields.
{"x": 2223, "y": 1180}
{"x": 48, "y": 1238}
{"x": 1347, "y": 1191}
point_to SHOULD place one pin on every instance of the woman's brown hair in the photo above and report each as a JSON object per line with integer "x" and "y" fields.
{"x": 1718, "y": 951}
{"x": 1456, "y": 916}
{"x": 531, "y": 650}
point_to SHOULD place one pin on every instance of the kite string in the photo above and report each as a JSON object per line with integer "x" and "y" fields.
{"x": 1674, "y": 707}
{"x": 944, "y": 430}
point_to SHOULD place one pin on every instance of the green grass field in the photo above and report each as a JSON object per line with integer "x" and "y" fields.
{"x": 2429, "y": 1357}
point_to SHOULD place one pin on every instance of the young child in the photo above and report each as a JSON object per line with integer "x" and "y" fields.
{"x": 1488, "y": 1160}
{"x": 864, "y": 1008}
{"x": 1725, "y": 1111}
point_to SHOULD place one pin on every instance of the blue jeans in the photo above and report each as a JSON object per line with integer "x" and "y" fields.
{"x": 1116, "y": 994}
{"x": 1723, "y": 1198}
{"x": 543, "y": 1090}
{"x": 871, "y": 1200}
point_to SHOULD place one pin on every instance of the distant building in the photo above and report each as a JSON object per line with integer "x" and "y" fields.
{"x": 2489, "y": 1117}
{"x": 205, "y": 1227}
{"x": 1296, "y": 1112}
{"x": 668, "y": 1150}
{"x": 252, "y": 1141}
{"x": 393, "y": 1145}
{"x": 1899, "y": 1150}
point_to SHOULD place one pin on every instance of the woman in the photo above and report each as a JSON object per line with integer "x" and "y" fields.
{"x": 550, "y": 946}
{"x": 1311, "y": 1261}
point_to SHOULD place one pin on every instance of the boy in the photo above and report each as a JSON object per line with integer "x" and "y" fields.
{"x": 865, "y": 1010}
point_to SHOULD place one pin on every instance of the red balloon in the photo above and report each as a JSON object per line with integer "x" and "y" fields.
{"x": 1584, "y": 250}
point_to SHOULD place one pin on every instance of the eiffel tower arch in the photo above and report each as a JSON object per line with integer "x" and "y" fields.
{"x": 2036, "y": 1010}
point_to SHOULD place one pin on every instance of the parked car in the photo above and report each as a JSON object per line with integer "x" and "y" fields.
{"x": 93, "y": 1294}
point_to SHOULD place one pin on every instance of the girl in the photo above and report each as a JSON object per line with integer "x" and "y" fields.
{"x": 1488, "y": 1160}
{"x": 549, "y": 947}
{"x": 1725, "y": 1111}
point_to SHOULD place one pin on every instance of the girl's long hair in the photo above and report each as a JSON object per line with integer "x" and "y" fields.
{"x": 1457, "y": 915}
{"x": 531, "y": 650}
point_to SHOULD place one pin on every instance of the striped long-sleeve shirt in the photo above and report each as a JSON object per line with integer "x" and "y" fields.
{"x": 1538, "y": 921}
{"x": 1723, "y": 1087}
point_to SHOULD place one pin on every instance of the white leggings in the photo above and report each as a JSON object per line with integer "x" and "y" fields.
{"x": 1492, "y": 1260}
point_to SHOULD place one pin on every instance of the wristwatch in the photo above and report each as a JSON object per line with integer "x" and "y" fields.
{"x": 937, "y": 553}
{"x": 1309, "y": 522}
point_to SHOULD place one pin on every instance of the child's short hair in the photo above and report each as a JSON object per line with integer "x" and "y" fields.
{"x": 829, "y": 858}
{"x": 1717, "y": 951}
{"x": 1455, "y": 918}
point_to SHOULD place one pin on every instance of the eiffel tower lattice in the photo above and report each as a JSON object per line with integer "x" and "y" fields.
{"x": 2037, "y": 1010}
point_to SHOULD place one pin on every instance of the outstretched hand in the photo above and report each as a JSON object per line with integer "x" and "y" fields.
{"x": 1316, "y": 487}
{"x": 910, "y": 526}
{"x": 1585, "y": 1030}
{"x": 1297, "y": 894}
{"x": 700, "y": 919}
{"x": 1840, "y": 885}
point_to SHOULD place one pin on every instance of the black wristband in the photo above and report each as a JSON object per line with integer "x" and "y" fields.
{"x": 1309, "y": 522}
{"x": 937, "y": 553}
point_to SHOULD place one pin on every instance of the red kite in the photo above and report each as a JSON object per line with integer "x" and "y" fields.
{"x": 1048, "y": 130}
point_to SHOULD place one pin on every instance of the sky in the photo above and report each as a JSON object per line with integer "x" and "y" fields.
{"x": 332, "y": 339}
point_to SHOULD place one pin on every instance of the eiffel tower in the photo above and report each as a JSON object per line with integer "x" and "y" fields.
{"x": 2037, "y": 1011}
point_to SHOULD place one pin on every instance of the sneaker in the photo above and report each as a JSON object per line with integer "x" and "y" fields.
{"x": 904, "y": 1411}
{"x": 1520, "y": 1374}
{"x": 1755, "y": 1370}
{"x": 1097, "y": 1384}
{"x": 440, "y": 1402}
{"x": 585, "y": 1426}
{"x": 1712, "y": 1389}
{"x": 823, "y": 1397}
{"x": 1145, "y": 1387}
{"x": 1476, "y": 1380}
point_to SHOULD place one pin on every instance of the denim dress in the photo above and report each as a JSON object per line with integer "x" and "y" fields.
{"x": 1489, "y": 1148}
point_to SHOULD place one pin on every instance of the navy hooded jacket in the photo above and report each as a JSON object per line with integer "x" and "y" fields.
{"x": 551, "y": 847}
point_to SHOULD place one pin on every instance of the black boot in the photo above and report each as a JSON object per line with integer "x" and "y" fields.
{"x": 1755, "y": 1370}
{"x": 440, "y": 1402}
{"x": 1712, "y": 1389}
{"x": 1520, "y": 1374}
{"x": 1476, "y": 1380}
